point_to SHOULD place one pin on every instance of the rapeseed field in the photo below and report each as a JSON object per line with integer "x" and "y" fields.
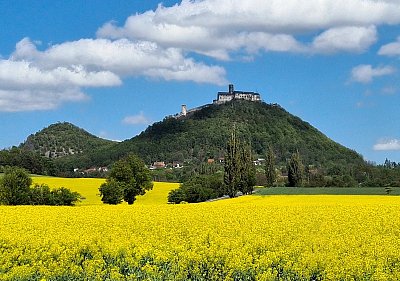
{"x": 311, "y": 237}
{"x": 89, "y": 189}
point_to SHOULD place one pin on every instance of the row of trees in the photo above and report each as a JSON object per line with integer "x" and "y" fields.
{"x": 239, "y": 176}
{"x": 16, "y": 189}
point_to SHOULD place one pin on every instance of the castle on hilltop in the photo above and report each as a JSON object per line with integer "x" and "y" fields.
{"x": 223, "y": 97}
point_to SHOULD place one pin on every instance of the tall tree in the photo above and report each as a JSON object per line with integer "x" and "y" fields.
{"x": 232, "y": 165}
{"x": 295, "y": 170}
{"x": 239, "y": 169}
{"x": 128, "y": 178}
{"x": 247, "y": 169}
{"x": 270, "y": 166}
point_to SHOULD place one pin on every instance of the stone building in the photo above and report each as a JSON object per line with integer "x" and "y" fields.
{"x": 224, "y": 97}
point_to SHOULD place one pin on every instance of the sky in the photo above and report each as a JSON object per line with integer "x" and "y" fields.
{"x": 112, "y": 67}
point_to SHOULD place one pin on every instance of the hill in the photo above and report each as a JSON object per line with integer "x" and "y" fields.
{"x": 203, "y": 134}
{"x": 62, "y": 139}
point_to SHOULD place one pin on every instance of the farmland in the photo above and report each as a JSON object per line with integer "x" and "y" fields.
{"x": 89, "y": 189}
{"x": 301, "y": 237}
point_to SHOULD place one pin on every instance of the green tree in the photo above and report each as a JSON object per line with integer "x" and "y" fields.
{"x": 295, "y": 170}
{"x": 270, "y": 172}
{"x": 15, "y": 187}
{"x": 112, "y": 192}
{"x": 198, "y": 189}
{"x": 128, "y": 177}
{"x": 247, "y": 170}
{"x": 232, "y": 165}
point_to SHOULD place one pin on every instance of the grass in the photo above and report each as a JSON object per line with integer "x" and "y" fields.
{"x": 326, "y": 190}
{"x": 89, "y": 189}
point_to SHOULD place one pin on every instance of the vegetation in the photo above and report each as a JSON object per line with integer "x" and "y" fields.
{"x": 270, "y": 173}
{"x": 200, "y": 136}
{"x": 198, "y": 189}
{"x": 129, "y": 177}
{"x": 295, "y": 170}
{"x": 222, "y": 240}
{"x": 328, "y": 191}
{"x": 15, "y": 189}
{"x": 63, "y": 139}
{"x": 203, "y": 134}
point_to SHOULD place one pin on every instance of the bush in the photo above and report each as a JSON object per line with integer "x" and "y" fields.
{"x": 198, "y": 189}
{"x": 15, "y": 189}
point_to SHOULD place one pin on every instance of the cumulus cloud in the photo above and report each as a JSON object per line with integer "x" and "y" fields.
{"x": 139, "y": 119}
{"x": 219, "y": 27}
{"x": 31, "y": 76}
{"x": 348, "y": 39}
{"x": 388, "y": 144}
{"x": 33, "y": 100}
{"x": 391, "y": 49}
{"x": 365, "y": 73}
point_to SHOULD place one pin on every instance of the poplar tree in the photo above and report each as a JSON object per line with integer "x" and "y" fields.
{"x": 295, "y": 170}
{"x": 239, "y": 169}
{"x": 232, "y": 165}
{"x": 270, "y": 167}
{"x": 248, "y": 171}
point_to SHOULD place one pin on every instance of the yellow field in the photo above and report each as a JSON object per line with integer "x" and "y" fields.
{"x": 89, "y": 189}
{"x": 310, "y": 237}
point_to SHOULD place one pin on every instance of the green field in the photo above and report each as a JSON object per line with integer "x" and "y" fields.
{"x": 327, "y": 191}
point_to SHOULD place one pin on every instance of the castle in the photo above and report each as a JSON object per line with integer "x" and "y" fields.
{"x": 223, "y": 97}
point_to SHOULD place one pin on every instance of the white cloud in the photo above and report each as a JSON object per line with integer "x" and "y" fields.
{"x": 219, "y": 27}
{"x": 365, "y": 73}
{"x": 139, "y": 119}
{"x": 38, "y": 80}
{"x": 34, "y": 100}
{"x": 348, "y": 39}
{"x": 384, "y": 145}
{"x": 391, "y": 49}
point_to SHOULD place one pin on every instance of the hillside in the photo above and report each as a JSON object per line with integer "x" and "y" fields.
{"x": 63, "y": 139}
{"x": 203, "y": 134}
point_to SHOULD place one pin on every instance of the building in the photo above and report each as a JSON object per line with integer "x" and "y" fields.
{"x": 224, "y": 97}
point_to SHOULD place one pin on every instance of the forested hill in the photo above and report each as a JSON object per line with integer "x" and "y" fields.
{"x": 203, "y": 134}
{"x": 62, "y": 139}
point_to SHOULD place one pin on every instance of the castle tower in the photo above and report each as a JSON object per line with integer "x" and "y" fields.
{"x": 184, "y": 110}
{"x": 231, "y": 89}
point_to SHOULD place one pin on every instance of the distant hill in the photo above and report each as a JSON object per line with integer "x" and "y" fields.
{"x": 63, "y": 139}
{"x": 203, "y": 134}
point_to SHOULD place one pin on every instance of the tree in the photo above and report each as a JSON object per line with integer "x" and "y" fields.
{"x": 112, "y": 192}
{"x": 247, "y": 170}
{"x": 239, "y": 169}
{"x": 198, "y": 189}
{"x": 295, "y": 170}
{"x": 15, "y": 187}
{"x": 270, "y": 167}
{"x": 128, "y": 178}
{"x": 232, "y": 165}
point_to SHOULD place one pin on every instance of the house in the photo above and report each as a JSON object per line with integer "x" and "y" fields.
{"x": 159, "y": 165}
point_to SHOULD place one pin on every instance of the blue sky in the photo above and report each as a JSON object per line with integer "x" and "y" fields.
{"x": 113, "y": 67}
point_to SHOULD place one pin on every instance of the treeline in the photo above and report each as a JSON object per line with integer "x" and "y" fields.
{"x": 16, "y": 189}
{"x": 239, "y": 176}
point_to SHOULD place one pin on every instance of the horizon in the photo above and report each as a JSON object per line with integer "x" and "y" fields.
{"x": 115, "y": 67}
